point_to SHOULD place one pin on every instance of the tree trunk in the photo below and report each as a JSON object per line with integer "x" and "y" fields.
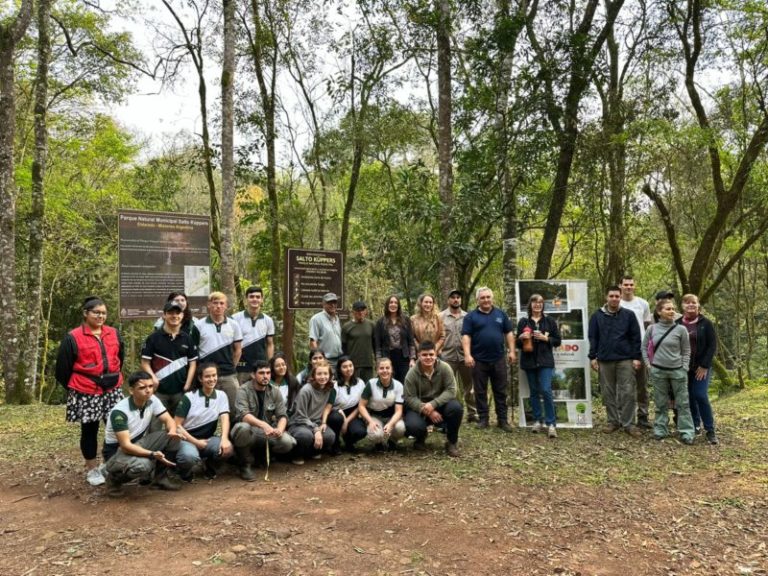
{"x": 12, "y": 30}
{"x": 445, "y": 138}
{"x": 30, "y": 346}
{"x": 227, "y": 269}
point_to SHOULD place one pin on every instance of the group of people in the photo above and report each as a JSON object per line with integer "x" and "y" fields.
{"x": 630, "y": 346}
{"x": 214, "y": 387}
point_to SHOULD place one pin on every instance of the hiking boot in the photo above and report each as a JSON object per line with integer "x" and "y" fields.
{"x": 537, "y": 427}
{"x": 114, "y": 488}
{"x": 419, "y": 445}
{"x": 209, "y": 470}
{"x": 634, "y": 431}
{"x": 452, "y": 450}
{"x": 610, "y": 428}
{"x": 642, "y": 422}
{"x": 247, "y": 473}
{"x": 551, "y": 431}
{"x": 482, "y": 424}
{"x": 712, "y": 438}
{"x": 505, "y": 427}
{"x": 95, "y": 477}
{"x": 167, "y": 482}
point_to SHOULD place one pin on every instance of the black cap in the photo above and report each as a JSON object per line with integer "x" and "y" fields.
{"x": 661, "y": 294}
{"x": 359, "y": 305}
{"x": 455, "y": 291}
{"x": 172, "y": 306}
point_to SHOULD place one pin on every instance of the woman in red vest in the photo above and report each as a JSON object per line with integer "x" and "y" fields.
{"x": 88, "y": 365}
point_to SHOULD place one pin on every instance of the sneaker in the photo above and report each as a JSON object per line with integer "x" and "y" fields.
{"x": 634, "y": 431}
{"x": 505, "y": 427}
{"x": 419, "y": 445}
{"x": 95, "y": 477}
{"x": 699, "y": 431}
{"x": 317, "y": 456}
{"x": 712, "y": 438}
{"x": 452, "y": 450}
{"x": 551, "y": 431}
{"x": 686, "y": 440}
{"x": 472, "y": 418}
{"x": 298, "y": 461}
{"x": 536, "y": 428}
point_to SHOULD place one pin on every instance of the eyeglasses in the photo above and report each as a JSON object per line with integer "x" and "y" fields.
{"x": 95, "y": 313}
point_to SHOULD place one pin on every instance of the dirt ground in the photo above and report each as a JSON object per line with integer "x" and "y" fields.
{"x": 382, "y": 514}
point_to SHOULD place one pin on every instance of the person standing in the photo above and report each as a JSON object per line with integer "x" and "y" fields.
{"x": 430, "y": 399}
{"x": 484, "y": 334}
{"x": 614, "y": 351}
{"x": 325, "y": 330}
{"x": 394, "y": 338}
{"x": 358, "y": 342}
{"x": 642, "y": 312}
{"x": 453, "y": 352}
{"x": 258, "y": 333}
{"x": 701, "y": 335}
{"x": 220, "y": 341}
{"x": 537, "y": 335}
{"x": 427, "y": 324}
{"x": 169, "y": 356}
{"x": 667, "y": 353}
{"x": 88, "y": 366}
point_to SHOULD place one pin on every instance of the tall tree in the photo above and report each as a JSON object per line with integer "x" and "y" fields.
{"x": 13, "y": 27}
{"x": 582, "y": 45}
{"x": 228, "y": 153}
{"x": 192, "y": 44}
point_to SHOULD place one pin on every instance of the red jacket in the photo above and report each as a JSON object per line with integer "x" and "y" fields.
{"x": 82, "y": 355}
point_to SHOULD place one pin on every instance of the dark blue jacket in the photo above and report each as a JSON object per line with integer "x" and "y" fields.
{"x": 614, "y": 337}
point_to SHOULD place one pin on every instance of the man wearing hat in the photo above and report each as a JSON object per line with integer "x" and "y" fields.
{"x": 169, "y": 356}
{"x": 325, "y": 329}
{"x": 453, "y": 353}
{"x": 357, "y": 341}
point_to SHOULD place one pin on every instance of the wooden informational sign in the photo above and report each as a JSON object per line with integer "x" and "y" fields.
{"x": 159, "y": 253}
{"x": 310, "y": 274}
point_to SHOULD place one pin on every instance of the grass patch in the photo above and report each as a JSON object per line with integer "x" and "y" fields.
{"x": 31, "y": 436}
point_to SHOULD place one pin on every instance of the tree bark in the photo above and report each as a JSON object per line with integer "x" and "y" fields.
{"x": 12, "y": 30}
{"x": 227, "y": 269}
{"x": 445, "y": 138}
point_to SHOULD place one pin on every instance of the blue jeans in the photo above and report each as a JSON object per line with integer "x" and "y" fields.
{"x": 698, "y": 396}
{"x": 189, "y": 456}
{"x": 540, "y": 383}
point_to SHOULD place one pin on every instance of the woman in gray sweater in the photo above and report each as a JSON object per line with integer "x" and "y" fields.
{"x": 666, "y": 352}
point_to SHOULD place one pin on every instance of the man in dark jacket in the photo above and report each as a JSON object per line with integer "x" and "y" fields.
{"x": 614, "y": 351}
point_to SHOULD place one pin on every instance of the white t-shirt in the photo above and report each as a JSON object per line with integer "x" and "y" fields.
{"x": 642, "y": 312}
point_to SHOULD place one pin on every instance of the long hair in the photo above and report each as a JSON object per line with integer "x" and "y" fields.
{"x": 187, "y": 314}
{"x": 420, "y": 310}
{"x": 197, "y": 381}
{"x": 531, "y": 300}
{"x": 399, "y": 316}
{"x": 289, "y": 378}
{"x": 339, "y": 377}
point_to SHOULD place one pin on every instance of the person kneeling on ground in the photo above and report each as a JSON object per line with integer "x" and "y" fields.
{"x": 132, "y": 452}
{"x": 261, "y": 418}
{"x": 313, "y": 423}
{"x": 197, "y": 417}
{"x": 381, "y": 407}
{"x": 430, "y": 398}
